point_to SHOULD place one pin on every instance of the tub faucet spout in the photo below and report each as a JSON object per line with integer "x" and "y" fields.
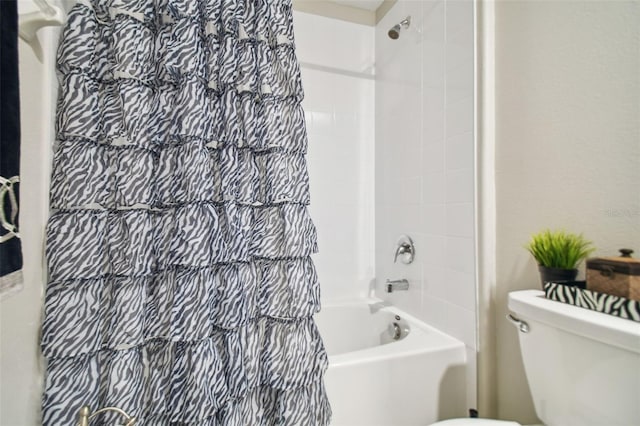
{"x": 395, "y": 285}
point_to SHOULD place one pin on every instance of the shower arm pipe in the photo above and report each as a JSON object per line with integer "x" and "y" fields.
{"x": 85, "y": 416}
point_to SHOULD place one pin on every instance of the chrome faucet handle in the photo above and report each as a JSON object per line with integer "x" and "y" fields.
{"x": 402, "y": 249}
{"x": 405, "y": 251}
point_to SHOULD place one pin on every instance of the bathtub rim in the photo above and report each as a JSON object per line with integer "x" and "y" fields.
{"x": 413, "y": 344}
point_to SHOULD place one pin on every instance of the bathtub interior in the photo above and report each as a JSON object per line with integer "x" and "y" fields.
{"x": 356, "y": 326}
{"x": 375, "y": 380}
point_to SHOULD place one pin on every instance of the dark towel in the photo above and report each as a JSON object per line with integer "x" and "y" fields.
{"x": 10, "y": 247}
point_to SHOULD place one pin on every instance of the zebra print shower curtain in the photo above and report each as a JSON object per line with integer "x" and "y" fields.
{"x": 180, "y": 284}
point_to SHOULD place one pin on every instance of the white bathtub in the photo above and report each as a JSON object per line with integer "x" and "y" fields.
{"x": 376, "y": 380}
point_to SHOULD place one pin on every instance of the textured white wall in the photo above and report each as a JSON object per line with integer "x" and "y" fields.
{"x": 337, "y": 64}
{"x": 425, "y": 164}
{"x": 20, "y": 315}
{"x": 567, "y": 146}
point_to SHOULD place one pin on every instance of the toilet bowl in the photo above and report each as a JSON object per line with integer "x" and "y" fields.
{"x": 570, "y": 355}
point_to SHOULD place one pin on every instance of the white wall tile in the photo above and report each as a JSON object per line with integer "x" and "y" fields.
{"x": 339, "y": 110}
{"x": 319, "y": 122}
{"x": 434, "y": 20}
{"x": 459, "y": 116}
{"x": 351, "y": 94}
{"x": 405, "y": 218}
{"x": 433, "y": 72}
{"x": 459, "y": 254}
{"x": 460, "y": 220}
{"x": 459, "y": 23}
{"x": 459, "y": 82}
{"x": 433, "y": 185}
{"x": 333, "y": 43}
{"x": 315, "y": 100}
{"x": 432, "y": 277}
{"x": 459, "y": 151}
{"x": 406, "y": 191}
{"x": 433, "y": 49}
{"x": 441, "y": 136}
{"x": 434, "y": 219}
{"x": 458, "y": 52}
{"x": 459, "y": 187}
{"x": 460, "y": 289}
{"x": 451, "y": 319}
{"x": 430, "y": 251}
{"x": 433, "y": 152}
{"x": 433, "y": 115}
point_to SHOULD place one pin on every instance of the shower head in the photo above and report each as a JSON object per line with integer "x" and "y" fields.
{"x": 394, "y": 32}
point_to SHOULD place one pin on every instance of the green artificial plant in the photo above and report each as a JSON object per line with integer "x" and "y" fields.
{"x": 559, "y": 249}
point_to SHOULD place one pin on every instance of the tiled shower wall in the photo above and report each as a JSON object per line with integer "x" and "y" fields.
{"x": 336, "y": 61}
{"x": 421, "y": 166}
{"x": 425, "y": 164}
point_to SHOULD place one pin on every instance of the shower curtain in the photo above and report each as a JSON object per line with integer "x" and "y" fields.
{"x": 181, "y": 288}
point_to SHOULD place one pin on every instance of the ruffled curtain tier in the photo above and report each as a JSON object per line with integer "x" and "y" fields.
{"x": 254, "y": 52}
{"x": 187, "y": 382}
{"x": 180, "y": 304}
{"x": 181, "y": 173}
{"x": 181, "y": 287}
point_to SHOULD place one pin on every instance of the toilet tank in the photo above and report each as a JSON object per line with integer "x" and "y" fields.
{"x": 583, "y": 367}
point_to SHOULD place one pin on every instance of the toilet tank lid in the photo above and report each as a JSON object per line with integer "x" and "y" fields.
{"x": 532, "y": 305}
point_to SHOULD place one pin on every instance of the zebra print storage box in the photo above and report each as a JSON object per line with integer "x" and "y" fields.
{"x": 618, "y": 276}
{"x": 600, "y": 302}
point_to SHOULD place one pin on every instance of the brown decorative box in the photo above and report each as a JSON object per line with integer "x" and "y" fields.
{"x": 618, "y": 276}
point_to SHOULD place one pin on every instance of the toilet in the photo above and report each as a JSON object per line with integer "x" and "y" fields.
{"x": 582, "y": 366}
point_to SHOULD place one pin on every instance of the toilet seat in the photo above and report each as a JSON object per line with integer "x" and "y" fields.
{"x": 475, "y": 422}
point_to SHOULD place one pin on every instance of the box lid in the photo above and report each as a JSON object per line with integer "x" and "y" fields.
{"x": 624, "y": 264}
